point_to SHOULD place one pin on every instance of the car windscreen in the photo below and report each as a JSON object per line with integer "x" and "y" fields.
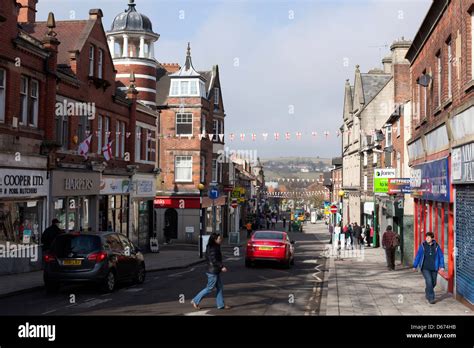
{"x": 75, "y": 246}
{"x": 268, "y": 235}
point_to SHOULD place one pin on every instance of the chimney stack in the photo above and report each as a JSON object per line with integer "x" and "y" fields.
{"x": 27, "y": 12}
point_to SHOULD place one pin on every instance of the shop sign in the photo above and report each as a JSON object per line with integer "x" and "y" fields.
{"x": 430, "y": 180}
{"x": 74, "y": 183}
{"x": 239, "y": 194}
{"x": 23, "y": 183}
{"x": 399, "y": 186}
{"x": 177, "y": 202}
{"x": 462, "y": 164}
{"x": 368, "y": 208}
{"x": 381, "y": 176}
{"x": 114, "y": 186}
{"x": 144, "y": 187}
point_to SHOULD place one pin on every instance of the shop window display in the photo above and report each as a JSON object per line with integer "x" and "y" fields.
{"x": 20, "y": 222}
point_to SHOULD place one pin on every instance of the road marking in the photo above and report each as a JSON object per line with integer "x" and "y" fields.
{"x": 133, "y": 289}
{"x": 51, "y": 311}
{"x": 204, "y": 312}
{"x": 233, "y": 259}
{"x": 93, "y": 303}
{"x": 178, "y": 274}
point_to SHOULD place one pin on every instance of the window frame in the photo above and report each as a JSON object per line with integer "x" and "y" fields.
{"x": 203, "y": 169}
{"x": 91, "y": 60}
{"x": 24, "y": 95}
{"x": 216, "y": 96}
{"x": 99, "y": 134}
{"x": 439, "y": 68}
{"x": 3, "y": 93}
{"x": 189, "y": 159}
{"x": 100, "y": 64}
{"x": 179, "y": 115}
{"x": 34, "y": 103}
{"x": 449, "y": 48}
{"x": 389, "y": 135}
{"x": 214, "y": 170}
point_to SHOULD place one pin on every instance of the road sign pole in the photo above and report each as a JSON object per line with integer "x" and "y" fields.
{"x": 213, "y": 217}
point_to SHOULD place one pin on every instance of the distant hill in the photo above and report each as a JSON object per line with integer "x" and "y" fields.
{"x": 295, "y": 167}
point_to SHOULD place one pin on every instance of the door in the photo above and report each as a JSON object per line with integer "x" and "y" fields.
{"x": 118, "y": 254}
{"x": 171, "y": 223}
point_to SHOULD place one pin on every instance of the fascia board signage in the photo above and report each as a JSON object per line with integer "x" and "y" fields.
{"x": 430, "y": 180}
{"x": 177, "y": 202}
{"x": 75, "y": 183}
{"x": 381, "y": 176}
{"x": 23, "y": 183}
{"x": 462, "y": 164}
{"x": 114, "y": 186}
{"x": 399, "y": 186}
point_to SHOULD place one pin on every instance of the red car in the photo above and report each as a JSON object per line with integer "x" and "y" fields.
{"x": 270, "y": 246}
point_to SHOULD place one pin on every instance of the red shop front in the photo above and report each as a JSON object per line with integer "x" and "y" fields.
{"x": 434, "y": 211}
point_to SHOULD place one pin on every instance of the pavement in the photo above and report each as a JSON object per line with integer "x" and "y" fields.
{"x": 360, "y": 284}
{"x": 170, "y": 257}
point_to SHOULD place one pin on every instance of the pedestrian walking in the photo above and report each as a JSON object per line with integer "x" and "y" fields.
{"x": 268, "y": 222}
{"x": 214, "y": 269}
{"x": 357, "y": 236}
{"x": 390, "y": 241}
{"x": 274, "y": 220}
{"x": 49, "y": 234}
{"x": 430, "y": 259}
{"x": 331, "y": 231}
{"x": 348, "y": 234}
{"x": 284, "y": 221}
{"x": 371, "y": 235}
{"x": 248, "y": 226}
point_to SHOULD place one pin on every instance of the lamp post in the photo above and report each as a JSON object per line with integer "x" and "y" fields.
{"x": 341, "y": 194}
{"x": 200, "y": 186}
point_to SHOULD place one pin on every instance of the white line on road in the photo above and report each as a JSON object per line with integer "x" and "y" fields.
{"x": 51, "y": 311}
{"x": 133, "y": 289}
{"x": 96, "y": 302}
{"x": 178, "y": 274}
{"x": 204, "y": 312}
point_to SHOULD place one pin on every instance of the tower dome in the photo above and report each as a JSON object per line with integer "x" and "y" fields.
{"x": 131, "y": 42}
{"x": 131, "y": 20}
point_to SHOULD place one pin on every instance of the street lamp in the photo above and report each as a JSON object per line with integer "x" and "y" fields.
{"x": 200, "y": 187}
{"x": 341, "y": 194}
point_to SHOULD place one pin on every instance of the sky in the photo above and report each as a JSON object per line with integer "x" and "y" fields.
{"x": 282, "y": 64}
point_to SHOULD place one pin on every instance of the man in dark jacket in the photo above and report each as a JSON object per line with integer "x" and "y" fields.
{"x": 390, "y": 243}
{"x": 214, "y": 268}
{"x": 430, "y": 259}
{"x": 357, "y": 236}
{"x": 50, "y": 234}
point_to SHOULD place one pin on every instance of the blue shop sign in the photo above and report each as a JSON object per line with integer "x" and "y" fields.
{"x": 430, "y": 180}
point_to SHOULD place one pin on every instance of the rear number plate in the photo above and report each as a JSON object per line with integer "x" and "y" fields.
{"x": 265, "y": 248}
{"x": 72, "y": 262}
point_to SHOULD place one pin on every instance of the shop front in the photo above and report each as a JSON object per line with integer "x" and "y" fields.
{"x": 114, "y": 204}
{"x": 434, "y": 211}
{"x": 143, "y": 193}
{"x": 463, "y": 179}
{"x": 219, "y": 205}
{"x": 368, "y": 214}
{"x": 74, "y": 200}
{"x": 177, "y": 218}
{"x": 23, "y": 206}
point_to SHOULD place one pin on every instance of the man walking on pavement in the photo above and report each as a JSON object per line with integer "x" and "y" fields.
{"x": 50, "y": 234}
{"x": 390, "y": 241}
{"x": 430, "y": 258}
{"x": 284, "y": 222}
{"x": 357, "y": 235}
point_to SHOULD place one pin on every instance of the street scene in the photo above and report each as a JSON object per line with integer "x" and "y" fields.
{"x": 237, "y": 158}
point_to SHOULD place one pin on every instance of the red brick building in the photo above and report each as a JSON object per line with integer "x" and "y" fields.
{"x": 52, "y": 111}
{"x": 442, "y": 84}
{"x": 191, "y": 149}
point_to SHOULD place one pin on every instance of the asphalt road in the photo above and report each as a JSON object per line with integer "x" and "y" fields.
{"x": 266, "y": 289}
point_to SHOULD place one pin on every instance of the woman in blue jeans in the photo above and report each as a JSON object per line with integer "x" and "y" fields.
{"x": 214, "y": 268}
{"x": 430, "y": 259}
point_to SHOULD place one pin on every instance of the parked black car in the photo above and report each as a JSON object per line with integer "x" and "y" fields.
{"x": 104, "y": 259}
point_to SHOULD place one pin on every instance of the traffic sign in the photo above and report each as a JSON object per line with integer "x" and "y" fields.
{"x": 333, "y": 209}
{"x": 234, "y": 205}
{"x": 213, "y": 193}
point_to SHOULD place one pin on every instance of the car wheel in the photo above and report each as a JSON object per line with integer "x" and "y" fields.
{"x": 109, "y": 282}
{"x": 140, "y": 277}
{"x": 248, "y": 263}
{"x": 51, "y": 287}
